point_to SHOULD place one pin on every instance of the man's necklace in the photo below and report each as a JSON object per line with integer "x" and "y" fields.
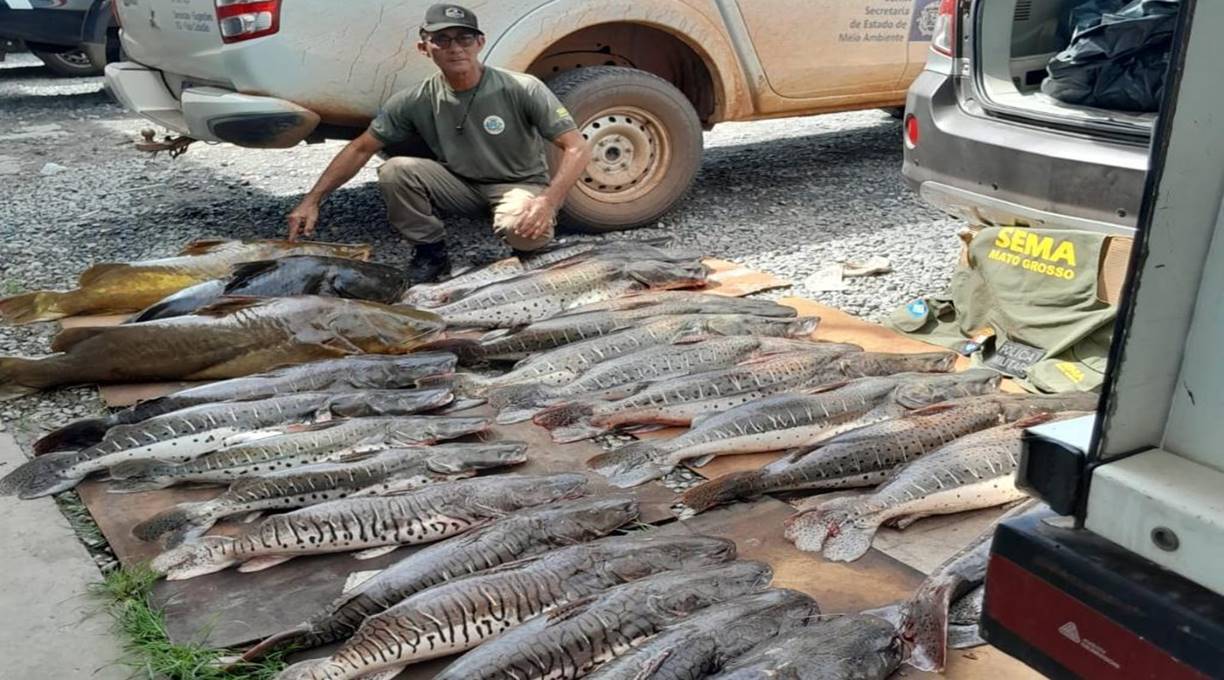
{"x": 468, "y": 108}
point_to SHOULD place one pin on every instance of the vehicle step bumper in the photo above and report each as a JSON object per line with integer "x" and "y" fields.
{"x": 210, "y": 113}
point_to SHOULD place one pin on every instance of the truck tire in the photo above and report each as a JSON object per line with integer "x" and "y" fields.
{"x": 72, "y": 64}
{"x": 646, "y": 142}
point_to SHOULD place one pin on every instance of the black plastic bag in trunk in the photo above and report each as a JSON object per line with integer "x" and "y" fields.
{"x": 1118, "y": 55}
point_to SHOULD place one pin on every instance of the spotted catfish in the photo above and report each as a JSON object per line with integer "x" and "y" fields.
{"x": 867, "y": 455}
{"x": 788, "y": 420}
{"x": 566, "y": 363}
{"x": 976, "y": 471}
{"x": 188, "y": 433}
{"x": 574, "y": 639}
{"x": 325, "y": 442}
{"x": 680, "y": 400}
{"x": 373, "y": 526}
{"x": 361, "y": 372}
{"x": 387, "y": 471}
{"x": 857, "y": 646}
{"x": 464, "y": 613}
{"x": 624, "y": 376}
{"x": 538, "y": 295}
{"x": 704, "y": 642}
{"x": 523, "y": 534}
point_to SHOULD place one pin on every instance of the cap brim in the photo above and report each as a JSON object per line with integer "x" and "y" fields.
{"x": 442, "y": 26}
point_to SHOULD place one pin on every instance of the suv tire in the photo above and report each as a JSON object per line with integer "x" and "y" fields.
{"x": 646, "y": 139}
{"x": 72, "y": 64}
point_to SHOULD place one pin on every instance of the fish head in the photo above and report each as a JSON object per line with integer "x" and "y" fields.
{"x": 659, "y": 275}
{"x": 635, "y": 557}
{"x": 581, "y": 519}
{"x": 195, "y": 558}
{"x": 875, "y": 645}
{"x": 700, "y": 587}
{"x": 928, "y": 389}
{"x": 749, "y": 325}
{"x": 442, "y": 428}
{"x": 479, "y": 457}
{"x": 386, "y": 329}
{"x": 526, "y": 492}
{"x": 368, "y": 403}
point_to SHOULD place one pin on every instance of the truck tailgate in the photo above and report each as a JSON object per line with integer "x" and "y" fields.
{"x": 178, "y": 36}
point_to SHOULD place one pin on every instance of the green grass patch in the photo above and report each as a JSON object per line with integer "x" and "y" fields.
{"x": 11, "y": 287}
{"x": 150, "y": 653}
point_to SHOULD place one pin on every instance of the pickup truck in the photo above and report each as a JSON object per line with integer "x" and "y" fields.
{"x": 642, "y": 78}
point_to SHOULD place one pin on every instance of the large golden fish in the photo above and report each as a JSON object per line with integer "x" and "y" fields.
{"x": 233, "y": 338}
{"x": 112, "y": 288}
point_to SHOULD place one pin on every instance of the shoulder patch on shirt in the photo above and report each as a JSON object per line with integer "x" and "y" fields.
{"x": 562, "y": 113}
{"x": 494, "y": 125}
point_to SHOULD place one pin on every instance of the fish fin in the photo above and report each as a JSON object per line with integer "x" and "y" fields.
{"x": 469, "y": 351}
{"x": 385, "y": 674}
{"x": 652, "y": 665}
{"x": 852, "y": 539}
{"x": 144, "y": 470}
{"x": 721, "y": 490}
{"x": 822, "y": 387}
{"x": 904, "y": 522}
{"x": 42, "y": 305}
{"x": 265, "y": 562}
{"x": 375, "y": 552}
{"x": 310, "y": 669}
{"x": 458, "y": 405}
{"x": 251, "y": 516}
{"x": 701, "y": 418}
{"x": 285, "y": 638}
{"x": 1033, "y": 420}
{"x": 462, "y": 384}
{"x": 256, "y": 435}
{"x": 73, "y": 436}
{"x": 122, "y": 486}
{"x": 202, "y": 246}
{"x": 69, "y": 337}
{"x": 569, "y": 610}
{"x": 809, "y": 529}
{"x": 230, "y": 304}
{"x": 565, "y": 415}
{"x": 41, "y": 476}
{"x": 99, "y": 271}
{"x": 511, "y": 416}
{"x": 244, "y": 271}
{"x": 965, "y": 636}
{"x": 924, "y": 627}
{"x": 630, "y": 465}
{"x": 702, "y": 461}
{"x": 174, "y": 520}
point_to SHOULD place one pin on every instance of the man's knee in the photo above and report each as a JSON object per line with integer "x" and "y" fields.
{"x": 403, "y": 170}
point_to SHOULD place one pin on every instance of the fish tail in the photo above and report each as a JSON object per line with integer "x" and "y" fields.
{"x": 42, "y": 305}
{"x": 73, "y": 436}
{"x": 630, "y": 465}
{"x": 811, "y": 529}
{"x": 469, "y": 351}
{"x": 293, "y": 637}
{"x": 14, "y": 378}
{"x": 852, "y": 539}
{"x": 176, "y": 521}
{"x": 721, "y": 491}
{"x": 924, "y": 627}
{"x": 42, "y": 476}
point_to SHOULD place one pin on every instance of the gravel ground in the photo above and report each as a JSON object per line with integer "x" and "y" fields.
{"x": 784, "y": 196}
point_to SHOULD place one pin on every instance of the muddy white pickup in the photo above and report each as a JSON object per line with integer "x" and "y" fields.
{"x": 642, "y": 77}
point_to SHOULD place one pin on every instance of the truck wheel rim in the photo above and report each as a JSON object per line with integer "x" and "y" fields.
{"x": 76, "y": 58}
{"x": 629, "y": 150}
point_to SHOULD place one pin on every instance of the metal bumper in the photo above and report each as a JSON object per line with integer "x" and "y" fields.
{"x": 210, "y": 113}
{"x": 995, "y": 171}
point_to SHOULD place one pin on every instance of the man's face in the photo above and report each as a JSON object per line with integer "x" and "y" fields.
{"x": 454, "y": 50}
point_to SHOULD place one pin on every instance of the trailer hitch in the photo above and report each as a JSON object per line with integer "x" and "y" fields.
{"x": 175, "y": 146}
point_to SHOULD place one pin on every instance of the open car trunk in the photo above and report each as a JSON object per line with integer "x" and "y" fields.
{"x": 1015, "y": 43}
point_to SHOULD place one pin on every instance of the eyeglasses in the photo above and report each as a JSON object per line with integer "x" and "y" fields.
{"x": 444, "y": 41}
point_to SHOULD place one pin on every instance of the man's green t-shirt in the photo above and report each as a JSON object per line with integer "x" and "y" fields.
{"x": 508, "y": 117}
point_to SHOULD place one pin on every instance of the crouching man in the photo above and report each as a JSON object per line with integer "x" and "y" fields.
{"x": 486, "y": 126}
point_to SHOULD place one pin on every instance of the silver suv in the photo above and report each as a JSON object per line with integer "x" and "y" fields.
{"x": 983, "y": 142}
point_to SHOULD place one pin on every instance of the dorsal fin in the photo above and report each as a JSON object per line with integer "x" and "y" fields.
{"x": 230, "y": 304}
{"x": 569, "y": 610}
{"x": 241, "y": 272}
{"x": 204, "y": 246}
{"x": 99, "y": 271}
{"x": 69, "y": 337}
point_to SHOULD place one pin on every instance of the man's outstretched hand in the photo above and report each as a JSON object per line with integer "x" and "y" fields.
{"x": 538, "y": 216}
{"x": 303, "y": 219}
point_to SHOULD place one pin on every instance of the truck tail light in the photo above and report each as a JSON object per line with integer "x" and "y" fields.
{"x": 944, "y": 38}
{"x": 240, "y": 20}
{"x": 911, "y": 131}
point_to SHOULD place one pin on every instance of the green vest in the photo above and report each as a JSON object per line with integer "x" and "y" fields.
{"x": 1028, "y": 303}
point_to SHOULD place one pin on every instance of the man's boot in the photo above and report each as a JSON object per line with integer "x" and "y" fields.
{"x": 429, "y": 263}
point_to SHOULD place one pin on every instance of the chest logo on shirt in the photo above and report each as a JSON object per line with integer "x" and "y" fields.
{"x": 494, "y": 125}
